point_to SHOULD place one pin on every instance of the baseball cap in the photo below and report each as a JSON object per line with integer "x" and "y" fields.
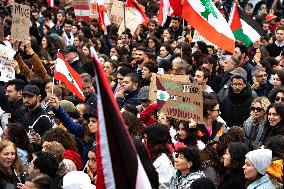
{"x": 32, "y": 90}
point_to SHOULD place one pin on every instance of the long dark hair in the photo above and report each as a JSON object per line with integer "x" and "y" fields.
{"x": 237, "y": 152}
{"x": 279, "y": 108}
{"x": 18, "y": 135}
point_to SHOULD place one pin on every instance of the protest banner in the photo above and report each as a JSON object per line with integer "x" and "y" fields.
{"x": 116, "y": 12}
{"x": 153, "y": 86}
{"x": 131, "y": 21}
{"x": 198, "y": 37}
{"x": 20, "y": 22}
{"x": 7, "y": 73}
{"x": 179, "y": 99}
{"x": 6, "y": 55}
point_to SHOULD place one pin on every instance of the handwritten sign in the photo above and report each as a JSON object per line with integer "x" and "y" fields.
{"x": 179, "y": 100}
{"x": 20, "y": 22}
{"x": 7, "y": 73}
{"x": 116, "y": 12}
{"x": 6, "y": 55}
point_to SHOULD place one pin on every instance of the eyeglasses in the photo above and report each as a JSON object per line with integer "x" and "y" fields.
{"x": 263, "y": 75}
{"x": 278, "y": 98}
{"x": 256, "y": 109}
{"x": 218, "y": 110}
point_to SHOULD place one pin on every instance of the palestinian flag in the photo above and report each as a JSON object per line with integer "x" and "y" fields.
{"x": 209, "y": 22}
{"x": 65, "y": 73}
{"x": 244, "y": 27}
{"x": 118, "y": 164}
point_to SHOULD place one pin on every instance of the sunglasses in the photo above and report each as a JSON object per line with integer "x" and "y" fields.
{"x": 256, "y": 109}
{"x": 279, "y": 99}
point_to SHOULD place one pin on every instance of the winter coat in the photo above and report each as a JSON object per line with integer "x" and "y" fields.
{"x": 184, "y": 182}
{"x": 235, "y": 108}
{"x": 272, "y": 131}
{"x": 254, "y": 132}
{"x": 233, "y": 180}
{"x": 129, "y": 98}
{"x": 262, "y": 183}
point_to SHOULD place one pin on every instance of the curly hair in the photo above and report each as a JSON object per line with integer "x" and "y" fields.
{"x": 263, "y": 101}
{"x": 234, "y": 134}
{"x": 61, "y": 136}
{"x": 276, "y": 145}
{"x": 192, "y": 154}
{"x": 133, "y": 123}
{"x": 18, "y": 135}
{"x": 209, "y": 154}
{"x": 54, "y": 148}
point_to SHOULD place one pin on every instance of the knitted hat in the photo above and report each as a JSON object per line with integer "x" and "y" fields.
{"x": 68, "y": 106}
{"x": 260, "y": 159}
{"x": 77, "y": 180}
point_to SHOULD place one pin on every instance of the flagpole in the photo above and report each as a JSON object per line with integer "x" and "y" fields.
{"x": 52, "y": 85}
{"x": 182, "y": 39}
{"x": 124, "y": 16}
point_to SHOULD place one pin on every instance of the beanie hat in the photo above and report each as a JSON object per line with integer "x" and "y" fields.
{"x": 68, "y": 106}
{"x": 77, "y": 180}
{"x": 75, "y": 157}
{"x": 260, "y": 159}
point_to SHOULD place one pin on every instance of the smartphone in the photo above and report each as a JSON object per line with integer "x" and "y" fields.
{"x": 161, "y": 71}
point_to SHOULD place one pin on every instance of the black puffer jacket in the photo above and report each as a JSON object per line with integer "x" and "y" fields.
{"x": 235, "y": 108}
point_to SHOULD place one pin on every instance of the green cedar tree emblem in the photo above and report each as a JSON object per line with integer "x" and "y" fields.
{"x": 71, "y": 78}
{"x": 162, "y": 96}
{"x": 209, "y": 9}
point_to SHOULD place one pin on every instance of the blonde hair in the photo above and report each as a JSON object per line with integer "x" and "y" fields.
{"x": 17, "y": 165}
{"x": 264, "y": 102}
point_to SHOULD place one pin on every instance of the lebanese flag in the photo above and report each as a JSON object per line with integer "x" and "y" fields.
{"x": 118, "y": 164}
{"x": 102, "y": 14}
{"x": 82, "y": 12}
{"x": 164, "y": 11}
{"x": 140, "y": 13}
{"x": 209, "y": 22}
{"x": 65, "y": 73}
{"x": 244, "y": 27}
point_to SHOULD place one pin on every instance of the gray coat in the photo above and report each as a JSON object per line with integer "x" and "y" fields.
{"x": 254, "y": 137}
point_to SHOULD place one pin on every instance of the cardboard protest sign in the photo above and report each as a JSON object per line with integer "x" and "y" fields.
{"x": 131, "y": 21}
{"x": 116, "y": 12}
{"x": 153, "y": 86}
{"x": 20, "y": 22}
{"x": 7, "y": 73}
{"x": 179, "y": 100}
{"x": 6, "y": 55}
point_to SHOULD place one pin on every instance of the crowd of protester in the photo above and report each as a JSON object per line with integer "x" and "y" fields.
{"x": 48, "y": 135}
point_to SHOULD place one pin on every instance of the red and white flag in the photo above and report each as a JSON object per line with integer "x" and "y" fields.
{"x": 102, "y": 14}
{"x": 82, "y": 12}
{"x": 164, "y": 11}
{"x": 118, "y": 164}
{"x": 140, "y": 13}
{"x": 209, "y": 22}
{"x": 65, "y": 73}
